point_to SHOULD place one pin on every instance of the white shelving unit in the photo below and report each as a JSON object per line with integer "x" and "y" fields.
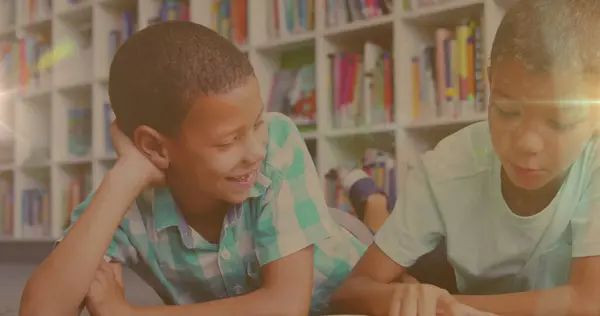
{"x": 79, "y": 71}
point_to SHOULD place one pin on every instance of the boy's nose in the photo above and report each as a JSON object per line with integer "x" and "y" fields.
{"x": 257, "y": 150}
{"x": 529, "y": 142}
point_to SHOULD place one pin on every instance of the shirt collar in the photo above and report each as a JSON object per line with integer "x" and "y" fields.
{"x": 164, "y": 208}
{"x": 260, "y": 186}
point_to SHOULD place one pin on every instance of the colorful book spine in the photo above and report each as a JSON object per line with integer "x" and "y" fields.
{"x": 126, "y": 25}
{"x": 79, "y": 186}
{"x": 230, "y": 20}
{"x": 447, "y": 78}
{"x": 287, "y": 17}
{"x": 340, "y": 12}
{"x": 79, "y": 132}
{"x": 293, "y": 93}
{"x": 27, "y": 57}
{"x": 170, "y": 10}
{"x": 35, "y": 212}
{"x": 362, "y": 87}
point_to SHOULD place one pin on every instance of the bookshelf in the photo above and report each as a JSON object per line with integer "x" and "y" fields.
{"x": 54, "y": 105}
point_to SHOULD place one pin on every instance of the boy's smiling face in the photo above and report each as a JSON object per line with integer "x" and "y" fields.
{"x": 221, "y": 145}
{"x": 540, "y": 122}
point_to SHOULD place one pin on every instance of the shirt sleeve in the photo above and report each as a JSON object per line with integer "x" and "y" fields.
{"x": 414, "y": 227}
{"x": 585, "y": 224}
{"x": 120, "y": 249}
{"x": 294, "y": 214}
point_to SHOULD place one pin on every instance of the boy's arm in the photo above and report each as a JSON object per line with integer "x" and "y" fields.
{"x": 580, "y": 297}
{"x": 286, "y": 290}
{"x": 60, "y": 283}
{"x": 368, "y": 290}
{"x": 414, "y": 228}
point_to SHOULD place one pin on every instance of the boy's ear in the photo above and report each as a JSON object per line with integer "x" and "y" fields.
{"x": 152, "y": 145}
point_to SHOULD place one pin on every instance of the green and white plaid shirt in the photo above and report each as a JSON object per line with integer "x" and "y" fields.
{"x": 286, "y": 211}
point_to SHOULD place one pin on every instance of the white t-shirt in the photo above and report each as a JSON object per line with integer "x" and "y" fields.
{"x": 454, "y": 191}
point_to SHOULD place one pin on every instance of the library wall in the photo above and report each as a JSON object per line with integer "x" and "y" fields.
{"x": 370, "y": 84}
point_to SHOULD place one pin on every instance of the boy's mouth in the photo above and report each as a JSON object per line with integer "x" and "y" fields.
{"x": 243, "y": 179}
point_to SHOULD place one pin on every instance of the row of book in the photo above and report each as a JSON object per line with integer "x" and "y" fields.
{"x": 10, "y": 57}
{"x": 230, "y": 19}
{"x": 36, "y": 219}
{"x": 379, "y": 165}
{"x": 293, "y": 93}
{"x": 79, "y": 186}
{"x": 126, "y": 25}
{"x": 6, "y": 208}
{"x": 79, "y": 131}
{"x": 19, "y": 62}
{"x": 410, "y": 5}
{"x": 287, "y": 17}
{"x": 448, "y": 77}
{"x": 35, "y": 212}
{"x": 362, "y": 87}
{"x": 170, "y": 10}
{"x": 340, "y": 12}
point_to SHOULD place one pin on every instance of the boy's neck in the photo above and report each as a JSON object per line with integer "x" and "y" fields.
{"x": 524, "y": 202}
{"x": 193, "y": 203}
{"x": 203, "y": 214}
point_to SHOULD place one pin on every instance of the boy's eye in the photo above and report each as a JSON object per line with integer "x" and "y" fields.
{"x": 258, "y": 123}
{"x": 561, "y": 126}
{"x": 505, "y": 112}
{"x": 227, "y": 143}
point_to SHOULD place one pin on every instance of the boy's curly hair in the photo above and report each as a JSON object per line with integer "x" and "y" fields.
{"x": 549, "y": 35}
{"x": 162, "y": 70}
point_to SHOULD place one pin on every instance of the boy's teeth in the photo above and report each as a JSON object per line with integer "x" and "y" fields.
{"x": 244, "y": 178}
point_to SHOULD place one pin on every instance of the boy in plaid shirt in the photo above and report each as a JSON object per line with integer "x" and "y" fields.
{"x": 214, "y": 203}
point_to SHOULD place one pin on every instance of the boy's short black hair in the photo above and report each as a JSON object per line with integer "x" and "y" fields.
{"x": 158, "y": 74}
{"x": 549, "y": 35}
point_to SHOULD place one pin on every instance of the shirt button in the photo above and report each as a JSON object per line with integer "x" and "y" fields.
{"x": 225, "y": 254}
{"x": 238, "y": 289}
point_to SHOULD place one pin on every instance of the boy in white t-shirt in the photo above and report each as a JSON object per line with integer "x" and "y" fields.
{"x": 517, "y": 198}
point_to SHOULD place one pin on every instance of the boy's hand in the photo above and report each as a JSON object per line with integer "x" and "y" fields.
{"x": 106, "y": 296}
{"x": 413, "y": 299}
{"x": 128, "y": 153}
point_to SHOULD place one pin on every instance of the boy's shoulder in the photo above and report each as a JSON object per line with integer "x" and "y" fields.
{"x": 465, "y": 153}
{"x": 284, "y": 140}
{"x": 588, "y": 162}
{"x": 280, "y": 128}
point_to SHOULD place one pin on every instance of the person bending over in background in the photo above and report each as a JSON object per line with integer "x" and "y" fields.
{"x": 213, "y": 202}
{"x": 517, "y": 198}
{"x": 369, "y": 202}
